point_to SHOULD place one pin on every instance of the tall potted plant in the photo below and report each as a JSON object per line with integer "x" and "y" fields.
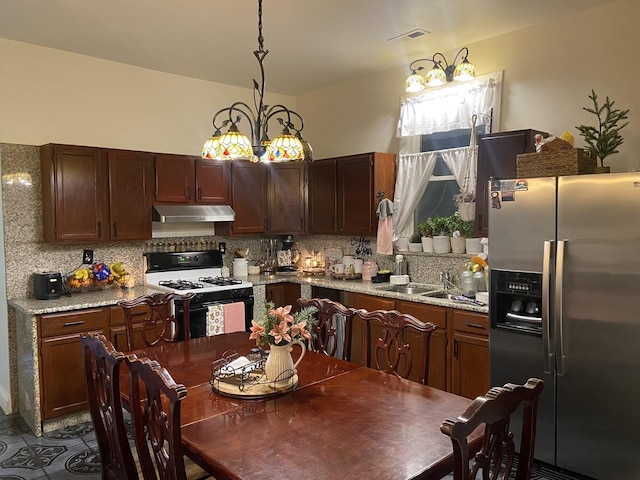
{"x": 604, "y": 139}
{"x": 426, "y": 230}
{"x": 459, "y": 229}
{"x": 466, "y": 203}
{"x": 441, "y": 232}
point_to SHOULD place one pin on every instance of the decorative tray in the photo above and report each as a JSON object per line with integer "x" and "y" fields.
{"x": 347, "y": 276}
{"x": 314, "y": 271}
{"x": 243, "y": 377}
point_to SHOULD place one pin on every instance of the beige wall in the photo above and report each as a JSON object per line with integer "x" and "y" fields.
{"x": 549, "y": 70}
{"x": 49, "y": 95}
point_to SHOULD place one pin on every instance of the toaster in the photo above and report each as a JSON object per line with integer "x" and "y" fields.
{"x": 47, "y": 285}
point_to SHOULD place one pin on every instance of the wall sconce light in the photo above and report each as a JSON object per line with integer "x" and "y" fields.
{"x": 439, "y": 74}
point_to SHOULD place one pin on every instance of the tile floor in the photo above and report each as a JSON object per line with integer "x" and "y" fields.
{"x": 72, "y": 453}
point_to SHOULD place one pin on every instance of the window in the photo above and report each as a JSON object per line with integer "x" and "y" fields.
{"x": 437, "y": 198}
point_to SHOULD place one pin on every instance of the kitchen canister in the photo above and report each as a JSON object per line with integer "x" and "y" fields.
{"x": 369, "y": 270}
{"x": 240, "y": 267}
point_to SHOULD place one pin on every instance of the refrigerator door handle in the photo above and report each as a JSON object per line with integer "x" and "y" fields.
{"x": 546, "y": 306}
{"x": 557, "y": 307}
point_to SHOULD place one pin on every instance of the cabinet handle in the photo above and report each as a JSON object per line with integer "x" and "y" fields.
{"x": 99, "y": 229}
{"x": 301, "y": 223}
{"x": 199, "y": 193}
{"x": 73, "y": 324}
{"x": 455, "y": 348}
{"x": 474, "y": 325}
{"x": 115, "y": 229}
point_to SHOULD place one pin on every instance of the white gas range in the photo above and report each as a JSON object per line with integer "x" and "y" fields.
{"x": 199, "y": 273}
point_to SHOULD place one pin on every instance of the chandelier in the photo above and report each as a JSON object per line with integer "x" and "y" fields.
{"x": 234, "y": 145}
{"x": 439, "y": 74}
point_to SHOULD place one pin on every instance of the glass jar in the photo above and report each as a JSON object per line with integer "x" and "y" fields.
{"x": 480, "y": 281}
{"x": 468, "y": 284}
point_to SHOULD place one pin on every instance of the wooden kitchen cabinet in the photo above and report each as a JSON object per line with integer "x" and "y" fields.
{"x": 74, "y": 194}
{"x": 438, "y": 343}
{"x": 287, "y": 206}
{"x": 187, "y": 179}
{"x": 130, "y": 186}
{"x": 344, "y": 192}
{"x": 282, "y": 294}
{"x": 92, "y": 194}
{"x": 497, "y": 158}
{"x": 248, "y": 199}
{"x": 118, "y": 331}
{"x": 62, "y": 384}
{"x": 470, "y": 354}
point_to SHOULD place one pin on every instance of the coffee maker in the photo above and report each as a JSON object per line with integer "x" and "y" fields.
{"x": 288, "y": 255}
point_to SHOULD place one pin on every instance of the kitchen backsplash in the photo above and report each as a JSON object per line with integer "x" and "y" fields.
{"x": 26, "y": 252}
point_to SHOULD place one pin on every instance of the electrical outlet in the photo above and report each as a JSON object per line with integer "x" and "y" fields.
{"x": 222, "y": 246}
{"x": 87, "y": 257}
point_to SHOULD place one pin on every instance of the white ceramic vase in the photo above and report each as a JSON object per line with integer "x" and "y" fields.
{"x": 467, "y": 211}
{"x": 415, "y": 247}
{"x": 279, "y": 367}
{"x": 442, "y": 243}
{"x": 458, "y": 244}
{"x": 427, "y": 244}
{"x": 474, "y": 245}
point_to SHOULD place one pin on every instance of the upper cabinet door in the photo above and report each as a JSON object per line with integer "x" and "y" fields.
{"x": 355, "y": 186}
{"x": 248, "y": 197}
{"x": 212, "y": 182}
{"x": 73, "y": 193}
{"x": 175, "y": 179}
{"x": 130, "y": 187}
{"x": 287, "y": 205}
{"x": 323, "y": 210}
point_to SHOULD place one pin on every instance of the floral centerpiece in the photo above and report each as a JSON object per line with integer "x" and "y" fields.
{"x": 278, "y": 326}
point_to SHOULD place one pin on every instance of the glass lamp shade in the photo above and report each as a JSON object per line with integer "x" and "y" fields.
{"x": 436, "y": 76}
{"x": 210, "y": 147}
{"x": 465, "y": 71}
{"x": 414, "y": 83}
{"x": 233, "y": 145}
{"x": 284, "y": 148}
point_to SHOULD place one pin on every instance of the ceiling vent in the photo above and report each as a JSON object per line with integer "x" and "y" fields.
{"x": 410, "y": 35}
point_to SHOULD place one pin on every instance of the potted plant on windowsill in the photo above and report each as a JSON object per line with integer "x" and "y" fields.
{"x": 460, "y": 230}
{"x": 426, "y": 230}
{"x": 466, "y": 203}
{"x": 441, "y": 239}
{"x": 415, "y": 244}
{"x": 604, "y": 139}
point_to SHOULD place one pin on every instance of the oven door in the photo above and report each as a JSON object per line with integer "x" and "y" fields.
{"x": 198, "y": 316}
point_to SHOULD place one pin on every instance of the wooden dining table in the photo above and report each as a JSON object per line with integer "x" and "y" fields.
{"x": 342, "y": 421}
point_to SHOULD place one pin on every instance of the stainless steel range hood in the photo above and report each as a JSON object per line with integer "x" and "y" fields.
{"x": 193, "y": 213}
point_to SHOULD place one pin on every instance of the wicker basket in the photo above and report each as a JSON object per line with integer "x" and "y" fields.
{"x": 574, "y": 161}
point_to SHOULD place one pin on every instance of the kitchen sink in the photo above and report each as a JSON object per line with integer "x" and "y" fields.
{"x": 427, "y": 290}
{"x": 436, "y": 294}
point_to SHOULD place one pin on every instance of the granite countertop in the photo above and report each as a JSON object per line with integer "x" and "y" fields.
{"x": 112, "y": 296}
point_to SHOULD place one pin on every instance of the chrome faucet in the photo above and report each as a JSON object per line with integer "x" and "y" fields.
{"x": 445, "y": 278}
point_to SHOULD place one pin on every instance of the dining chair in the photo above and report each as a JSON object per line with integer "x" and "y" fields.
{"x": 102, "y": 373}
{"x": 396, "y": 343}
{"x": 160, "y": 324}
{"x": 495, "y": 459}
{"x": 331, "y": 337}
{"x": 156, "y": 423}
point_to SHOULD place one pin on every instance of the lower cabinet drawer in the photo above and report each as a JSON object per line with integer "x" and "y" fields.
{"x": 79, "y": 321}
{"x": 470, "y": 322}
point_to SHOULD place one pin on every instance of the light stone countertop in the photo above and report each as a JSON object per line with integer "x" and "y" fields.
{"x": 112, "y": 296}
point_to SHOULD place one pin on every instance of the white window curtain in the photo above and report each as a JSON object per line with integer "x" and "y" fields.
{"x": 449, "y": 108}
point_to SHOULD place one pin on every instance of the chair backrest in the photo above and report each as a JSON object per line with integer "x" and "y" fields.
{"x": 160, "y": 325}
{"x": 396, "y": 343}
{"x": 494, "y": 410}
{"x": 331, "y": 338}
{"x": 102, "y": 373}
{"x": 156, "y": 421}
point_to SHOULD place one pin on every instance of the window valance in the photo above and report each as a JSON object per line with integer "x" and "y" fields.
{"x": 451, "y": 107}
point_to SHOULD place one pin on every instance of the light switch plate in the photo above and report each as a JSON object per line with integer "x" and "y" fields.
{"x": 87, "y": 257}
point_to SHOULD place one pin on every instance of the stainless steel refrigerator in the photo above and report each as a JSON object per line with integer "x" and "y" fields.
{"x": 565, "y": 307}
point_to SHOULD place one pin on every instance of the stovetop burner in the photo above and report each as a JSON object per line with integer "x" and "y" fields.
{"x": 220, "y": 281}
{"x": 180, "y": 284}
